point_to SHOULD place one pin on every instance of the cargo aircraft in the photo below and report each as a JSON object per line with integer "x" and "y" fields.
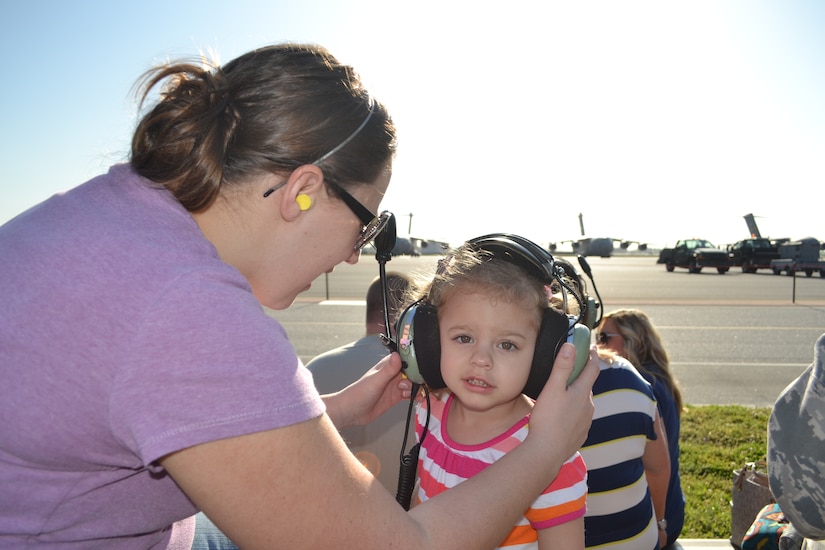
{"x": 595, "y": 246}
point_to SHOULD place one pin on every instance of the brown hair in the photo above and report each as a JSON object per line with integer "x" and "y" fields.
{"x": 268, "y": 111}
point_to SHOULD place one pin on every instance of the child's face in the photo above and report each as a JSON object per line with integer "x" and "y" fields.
{"x": 487, "y": 347}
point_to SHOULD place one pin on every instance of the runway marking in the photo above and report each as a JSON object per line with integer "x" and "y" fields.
{"x": 739, "y": 328}
{"x": 729, "y": 364}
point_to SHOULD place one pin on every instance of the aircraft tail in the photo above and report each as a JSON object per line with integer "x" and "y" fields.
{"x": 752, "y": 227}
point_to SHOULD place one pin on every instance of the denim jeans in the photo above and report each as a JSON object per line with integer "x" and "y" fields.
{"x": 209, "y": 537}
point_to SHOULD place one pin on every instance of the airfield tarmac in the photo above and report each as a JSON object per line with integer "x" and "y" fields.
{"x": 733, "y": 339}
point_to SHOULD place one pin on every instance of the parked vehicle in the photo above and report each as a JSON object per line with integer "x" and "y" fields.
{"x": 695, "y": 254}
{"x": 753, "y": 254}
{"x": 802, "y": 255}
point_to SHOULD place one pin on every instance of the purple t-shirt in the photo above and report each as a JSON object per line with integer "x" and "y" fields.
{"x": 123, "y": 338}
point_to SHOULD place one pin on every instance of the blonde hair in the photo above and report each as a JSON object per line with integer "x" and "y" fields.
{"x": 643, "y": 347}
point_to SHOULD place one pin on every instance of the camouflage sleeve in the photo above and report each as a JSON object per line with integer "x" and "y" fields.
{"x": 796, "y": 448}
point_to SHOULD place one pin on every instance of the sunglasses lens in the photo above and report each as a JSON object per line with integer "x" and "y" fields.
{"x": 602, "y": 338}
{"x": 371, "y": 230}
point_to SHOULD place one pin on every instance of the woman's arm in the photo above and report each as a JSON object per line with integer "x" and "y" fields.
{"x": 656, "y": 461}
{"x": 301, "y": 487}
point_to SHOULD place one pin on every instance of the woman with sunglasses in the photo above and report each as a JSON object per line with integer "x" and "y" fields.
{"x": 631, "y": 334}
{"x": 142, "y": 380}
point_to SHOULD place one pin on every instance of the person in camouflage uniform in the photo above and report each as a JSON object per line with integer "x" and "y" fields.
{"x": 796, "y": 452}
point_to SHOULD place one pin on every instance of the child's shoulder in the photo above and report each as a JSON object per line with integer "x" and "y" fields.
{"x": 436, "y": 402}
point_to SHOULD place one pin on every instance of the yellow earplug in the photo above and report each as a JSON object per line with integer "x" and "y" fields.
{"x": 304, "y": 201}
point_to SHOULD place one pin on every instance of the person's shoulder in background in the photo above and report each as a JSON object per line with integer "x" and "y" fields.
{"x": 796, "y": 448}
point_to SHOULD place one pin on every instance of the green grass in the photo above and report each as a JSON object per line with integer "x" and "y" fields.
{"x": 715, "y": 440}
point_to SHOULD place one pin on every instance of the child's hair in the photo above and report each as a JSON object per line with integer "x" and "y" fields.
{"x": 643, "y": 347}
{"x": 468, "y": 269}
{"x": 575, "y": 284}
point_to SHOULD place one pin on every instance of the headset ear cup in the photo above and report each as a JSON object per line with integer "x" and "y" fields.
{"x": 428, "y": 345}
{"x": 552, "y": 334}
{"x": 590, "y": 309}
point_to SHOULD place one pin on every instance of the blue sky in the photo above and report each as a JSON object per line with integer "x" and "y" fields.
{"x": 656, "y": 120}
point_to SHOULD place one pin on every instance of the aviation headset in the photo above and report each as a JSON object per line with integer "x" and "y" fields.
{"x": 419, "y": 343}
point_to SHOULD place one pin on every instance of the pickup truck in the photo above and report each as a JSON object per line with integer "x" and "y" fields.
{"x": 695, "y": 254}
{"x": 753, "y": 254}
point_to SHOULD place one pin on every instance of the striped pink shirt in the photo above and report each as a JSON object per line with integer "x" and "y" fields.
{"x": 443, "y": 464}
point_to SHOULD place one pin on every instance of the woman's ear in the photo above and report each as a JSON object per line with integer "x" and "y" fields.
{"x": 302, "y": 191}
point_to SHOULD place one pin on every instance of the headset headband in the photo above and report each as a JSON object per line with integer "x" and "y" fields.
{"x": 519, "y": 251}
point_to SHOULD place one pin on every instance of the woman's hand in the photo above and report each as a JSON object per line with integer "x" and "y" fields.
{"x": 378, "y": 390}
{"x": 562, "y": 414}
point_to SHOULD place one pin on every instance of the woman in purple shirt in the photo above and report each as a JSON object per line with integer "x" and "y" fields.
{"x": 142, "y": 380}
